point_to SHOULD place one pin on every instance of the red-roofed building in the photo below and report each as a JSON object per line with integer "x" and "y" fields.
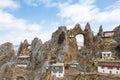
{"x": 110, "y": 67}
{"x": 108, "y": 33}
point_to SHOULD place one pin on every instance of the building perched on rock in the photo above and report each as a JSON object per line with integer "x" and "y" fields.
{"x": 64, "y": 55}
{"x": 107, "y": 64}
{"x": 23, "y": 57}
{"x": 23, "y": 61}
{"x": 106, "y": 55}
{"x": 57, "y": 69}
{"x": 109, "y": 67}
{"x": 108, "y": 33}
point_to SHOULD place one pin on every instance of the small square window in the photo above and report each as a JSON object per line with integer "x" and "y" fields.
{"x": 103, "y": 71}
{"x": 108, "y": 55}
{"x": 102, "y": 67}
{"x": 104, "y": 54}
{"x": 116, "y": 72}
{"x": 117, "y": 68}
{"x": 60, "y": 71}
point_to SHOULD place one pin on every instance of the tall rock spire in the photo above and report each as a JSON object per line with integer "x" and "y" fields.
{"x": 23, "y": 49}
{"x": 100, "y": 33}
{"x": 88, "y": 36}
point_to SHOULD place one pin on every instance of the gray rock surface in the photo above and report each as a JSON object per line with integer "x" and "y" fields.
{"x": 6, "y": 53}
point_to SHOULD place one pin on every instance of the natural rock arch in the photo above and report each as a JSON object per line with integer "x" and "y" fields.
{"x": 87, "y": 34}
{"x": 72, "y": 51}
{"x": 76, "y": 32}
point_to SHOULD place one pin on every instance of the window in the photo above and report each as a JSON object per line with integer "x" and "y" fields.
{"x": 54, "y": 71}
{"x": 102, "y": 67}
{"x": 104, "y": 54}
{"x": 60, "y": 71}
{"x": 117, "y": 68}
{"x": 108, "y": 55}
{"x": 116, "y": 72}
{"x": 103, "y": 71}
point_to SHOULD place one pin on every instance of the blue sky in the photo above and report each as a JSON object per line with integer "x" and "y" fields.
{"x": 26, "y": 19}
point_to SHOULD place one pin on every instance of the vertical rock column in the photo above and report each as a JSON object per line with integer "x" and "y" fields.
{"x": 88, "y": 36}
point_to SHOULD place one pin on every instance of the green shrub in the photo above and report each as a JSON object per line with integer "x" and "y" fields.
{"x": 61, "y": 37}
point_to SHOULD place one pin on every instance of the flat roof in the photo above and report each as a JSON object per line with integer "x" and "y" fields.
{"x": 23, "y": 56}
{"x": 108, "y": 60}
{"x": 106, "y": 52}
{"x": 108, "y": 31}
{"x": 21, "y": 65}
{"x": 58, "y": 64}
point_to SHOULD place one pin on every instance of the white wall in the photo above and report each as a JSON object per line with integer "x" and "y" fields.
{"x": 106, "y": 70}
{"x": 105, "y": 55}
{"x": 57, "y": 74}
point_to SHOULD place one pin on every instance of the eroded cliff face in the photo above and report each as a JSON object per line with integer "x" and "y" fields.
{"x": 117, "y": 31}
{"x": 61, "y": 48}
{"x": 88, "y": 36}
{"x": 7, "y": 54}
{"x": 24, "y": 48}
{"x": 64, "y": 45}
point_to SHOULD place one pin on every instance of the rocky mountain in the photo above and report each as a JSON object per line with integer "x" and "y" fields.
{"x": 88, "y": 36}
{"x": 61, "y": 48}
{"x": 117, "y": 38}
{"x": 23, "y": 49}
{"x": 100, "y": 33}
{"x": 6, "y": 53}
{"x": 117, "y": 31}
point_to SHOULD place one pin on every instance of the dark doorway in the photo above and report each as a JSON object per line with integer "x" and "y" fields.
{"x": 20, "y": 78}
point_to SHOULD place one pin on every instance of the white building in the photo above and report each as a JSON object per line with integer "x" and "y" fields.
{"x": 106, "y": 55}
{"x": 109, "y": 67}
{"x": 58, "y": 69}
{"x": 22, "y": 61}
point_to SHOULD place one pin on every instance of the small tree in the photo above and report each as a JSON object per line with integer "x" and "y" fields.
{"x": 61, "y": 37}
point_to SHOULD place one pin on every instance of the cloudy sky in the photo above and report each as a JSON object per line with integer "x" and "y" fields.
{"x": 26, "y": 19}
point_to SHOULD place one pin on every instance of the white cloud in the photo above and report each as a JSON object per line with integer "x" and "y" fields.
{"x": 16, "y": 30}
{"x": 8, "y": 4}
{"x": 9, "y": 22}
{"x": 109, "y": 16}
{"x": 86, "y": 11}
{"x": 36, "y": 3}
{"x": 46, "y": 3}
{"x": 78, "y": 13}
{"x": 87, "y": 2}
{"x": 115, "y": 5}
